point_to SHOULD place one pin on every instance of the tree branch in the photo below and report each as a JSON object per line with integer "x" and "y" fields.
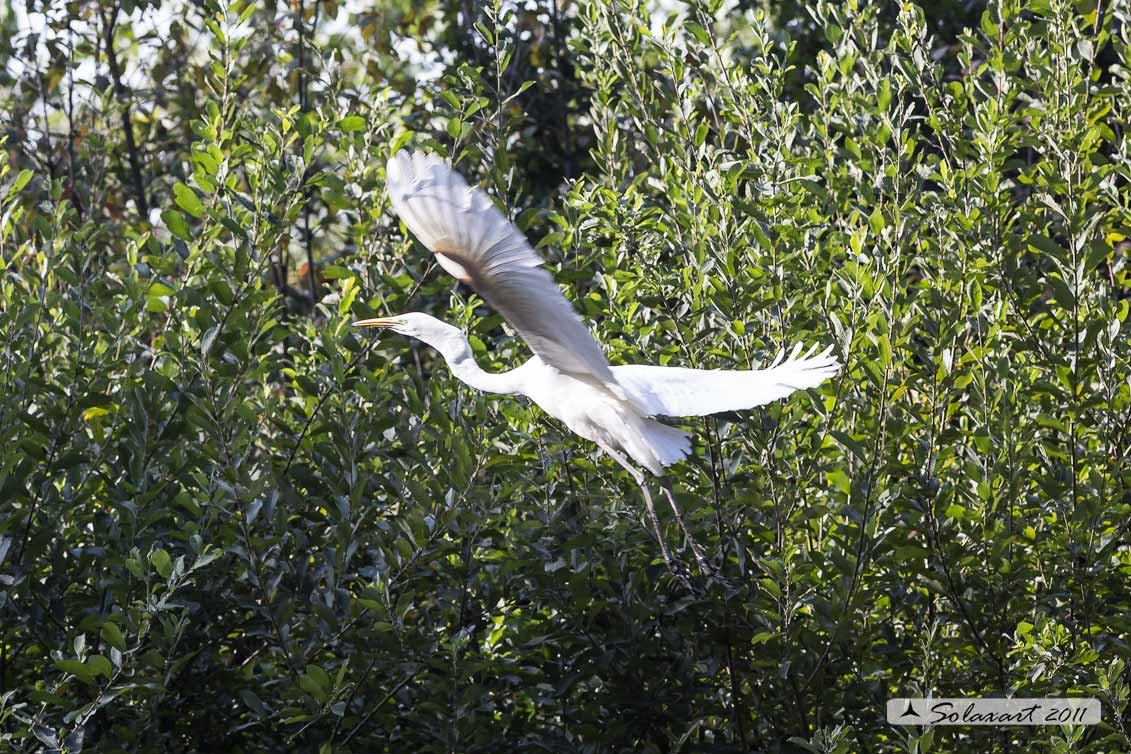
{"x": 122, "y": 93}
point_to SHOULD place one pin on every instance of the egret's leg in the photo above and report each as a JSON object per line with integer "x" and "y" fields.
{"x": 638, "y": 476}
{"x": 700, "y": 558}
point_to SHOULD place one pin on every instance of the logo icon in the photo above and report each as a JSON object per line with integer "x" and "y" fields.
{"x": 910, "y": 710}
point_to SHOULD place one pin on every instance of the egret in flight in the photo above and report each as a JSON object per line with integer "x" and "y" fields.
{"x": 568, "y": 376}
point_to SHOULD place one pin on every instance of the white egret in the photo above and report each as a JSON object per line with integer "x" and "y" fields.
{"x": 568, "y": 376}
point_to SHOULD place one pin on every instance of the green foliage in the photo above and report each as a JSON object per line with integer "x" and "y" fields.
{"x": 230, "y": 522}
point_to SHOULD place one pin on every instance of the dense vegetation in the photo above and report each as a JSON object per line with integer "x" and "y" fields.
{"x": 229, "y": 522}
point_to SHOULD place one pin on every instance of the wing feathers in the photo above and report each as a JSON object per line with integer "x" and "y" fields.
{"x": 462, "y": 224}
{"x": 675, "y": 391}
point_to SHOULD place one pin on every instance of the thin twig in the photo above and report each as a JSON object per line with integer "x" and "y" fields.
{"x": 109, "y": 23}
{"x": 381, "y": 704}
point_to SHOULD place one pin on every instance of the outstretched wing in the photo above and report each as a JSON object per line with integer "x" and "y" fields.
{"x": 474, "y": 242}
{"x": 675, "y": 391}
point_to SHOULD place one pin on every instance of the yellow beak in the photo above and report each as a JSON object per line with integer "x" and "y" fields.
{"x": 382, "y": 322}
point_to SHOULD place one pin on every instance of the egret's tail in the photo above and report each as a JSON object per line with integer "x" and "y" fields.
{"x": 668, "y": 445}
{"x": 650, "y": 443}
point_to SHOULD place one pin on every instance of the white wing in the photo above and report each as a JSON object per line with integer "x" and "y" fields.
{"x": 474, "y": 242}
{"x": 675, "y": 391}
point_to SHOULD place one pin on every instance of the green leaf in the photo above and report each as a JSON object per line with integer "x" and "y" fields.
{"x": 883, "y": 97}
{"x": 956, "y": 512}
{"x": 876, "y": 221}
{"x": 335, "y": 272}
{"x": 838, "y": 479}
{"x": 319, "y": 675}
{"x": 208, "y": 339}
{"x": 77, "y": 668}
{"x": 21, "y": 181}
{"x": 761, "y": 638}
{"x": 884, "y": 346}
{"x": 253, "y": 702}
{"x": 157, "y": 289}
{"x": 187, "y": 200}
{"x": 989, "y": 24}
{"x": 136, "y": 567}
{"x": 311, "y": 686}
{"x": 113, "y": 636}
{"x": 352, "y": 123}
{"x": 99, "y": 665}
{"x": 93, "y": 413}
{"x": 1038, "y": 242}
{"x": 1051, "y": 422}
{"x": 176, "y": 224}
{"x": 162, "y": 562}
{"x": 206, "y": 161}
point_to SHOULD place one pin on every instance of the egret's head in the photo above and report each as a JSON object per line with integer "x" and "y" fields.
{"x": 423, "y": 327}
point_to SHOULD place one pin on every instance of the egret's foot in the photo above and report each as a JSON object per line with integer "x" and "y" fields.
{"x": 710, "y": 577}
{"x": 705, "y": 566}
{"x": 717, "y": 578}
{"x": 681, "y": 573}
{"x": 701, "y": 560}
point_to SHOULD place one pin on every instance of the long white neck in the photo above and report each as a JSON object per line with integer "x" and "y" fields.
{"x": 457, "y": 352}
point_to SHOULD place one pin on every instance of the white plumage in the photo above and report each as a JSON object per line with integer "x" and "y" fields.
{"x": 474, "y": 242}
{"x": 569, "y": 376}
{"x": 677, "y": 391}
